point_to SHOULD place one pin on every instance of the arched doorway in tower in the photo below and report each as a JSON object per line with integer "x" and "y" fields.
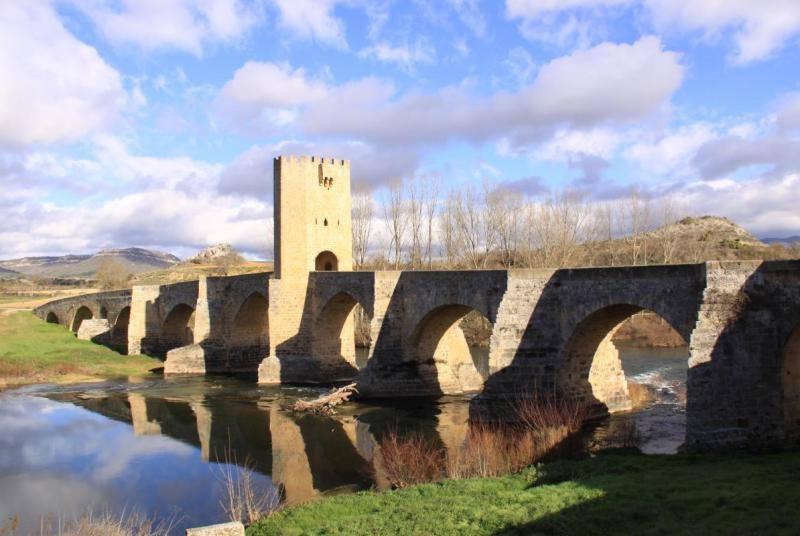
{"x": 341, "y": 337}
{"x": 326, "y": 262}
{"x": 450, "y": 348}
{"x": 178, "y": 328}
{"x": 83, "y": 313}
{"x": 626, "y": 360}
{"x": 790, "y": 386}
{"x": 248, "y": 341}
{"x": 52, "y": 318}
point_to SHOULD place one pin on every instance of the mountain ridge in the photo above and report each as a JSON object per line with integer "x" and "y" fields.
{"x": 132, "y": 260}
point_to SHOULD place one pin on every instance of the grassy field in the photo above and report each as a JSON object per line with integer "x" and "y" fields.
{"x": 33, "y": 351}
{"x": 609, "y": 494}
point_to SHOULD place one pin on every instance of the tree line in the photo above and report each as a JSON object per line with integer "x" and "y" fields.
{"x": 416, "y": 225}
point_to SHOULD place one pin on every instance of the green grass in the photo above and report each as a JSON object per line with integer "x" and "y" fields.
{"x": 32, "y": 350}
{"x": 610, "y": 494}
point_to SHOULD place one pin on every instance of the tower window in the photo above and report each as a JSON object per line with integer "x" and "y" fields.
{"x": 325, "y": 222}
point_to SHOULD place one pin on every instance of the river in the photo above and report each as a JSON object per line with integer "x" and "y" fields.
{"x": 162, "y": 446}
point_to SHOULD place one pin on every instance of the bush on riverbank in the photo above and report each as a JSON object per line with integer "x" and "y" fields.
{"x": 33, "y": 351}
{"x": 609, "y": 494}
{"x": 488, "y": 449}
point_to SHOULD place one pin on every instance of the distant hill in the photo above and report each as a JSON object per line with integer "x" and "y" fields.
{"x": 9, "y": 274}
{"x": 132, "y": 260}
{"x": 714, "y": 238}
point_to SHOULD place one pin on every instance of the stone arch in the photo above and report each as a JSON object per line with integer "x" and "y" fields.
{"x": 119, "y": 331}
{"x": 333, "y": 337}
{"x": 52, "y": 318}
{"x": 440, "y": 352}
{"x": 83, "y": 313}
{"x": 591, "y": 369}
{"x": 326, "y": 262}
{"x": 251, "y": 323}
{"x": 178, "y": 327}
{"x": 790, "y": 385}
{"x": 103, "y": 312}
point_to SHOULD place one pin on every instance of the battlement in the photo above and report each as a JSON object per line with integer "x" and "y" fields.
{"x": 305, "y": 159}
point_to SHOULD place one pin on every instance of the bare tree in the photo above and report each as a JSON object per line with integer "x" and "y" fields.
{"x": 638, "y": 213}
{"x": 431, "y": 202}
{"x": 470, "y": 225}
{"x": 111, "y": 274}
{"x": 395, "y": 217}
{"x": 668, "y": 238}
{"x": 416, "y": 207}
{"x": 225, "y": 263}
{"x": 363, "y": 211}
{"x": 503, "y": 213}
{"x": 448, "y": 223}
{"x": 559, "y": 226}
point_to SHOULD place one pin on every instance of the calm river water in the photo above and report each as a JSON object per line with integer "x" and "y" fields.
{"x": 161, "y": 447}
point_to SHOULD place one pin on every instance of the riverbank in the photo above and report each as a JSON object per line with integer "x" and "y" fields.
{"x": 32, "y": 351}
{"x": 609, "y": 494}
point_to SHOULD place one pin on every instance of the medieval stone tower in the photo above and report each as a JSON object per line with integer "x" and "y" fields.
{"x": 312, "y": 215}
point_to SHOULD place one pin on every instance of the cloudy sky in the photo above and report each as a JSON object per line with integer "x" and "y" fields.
{"x": 154, "y": 122}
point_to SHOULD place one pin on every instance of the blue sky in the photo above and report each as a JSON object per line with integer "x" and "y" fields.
{"x": 154, "y": 122}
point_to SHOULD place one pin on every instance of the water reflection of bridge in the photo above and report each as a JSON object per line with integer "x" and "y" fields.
{"x": 306, "y": 455}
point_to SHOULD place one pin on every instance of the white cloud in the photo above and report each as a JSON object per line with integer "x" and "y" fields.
{"x": 764, "y": 206}
{"x": 273, "y": 86}
{"x": 177, "y": 24}
{"x": 406, "y": 56}
{"x": 561, "y": 22}
{"x": 470, "y": 14}
{"x": 607, "y": 83}
{"x": 620, "y": 81}
{"x": 529, "y": 9}
{"x": 312, "y": 19}
{"x": 52, "y": 86}
{"x": 169, "y": 203}
{"x": 759, "y": 28}
{"x": 789, "y": 115}
{"x": 670, "y": 153}
{"x": 262, "y": 93}
{"x": 567, "y": 143}
{"x": 725, "y": 156}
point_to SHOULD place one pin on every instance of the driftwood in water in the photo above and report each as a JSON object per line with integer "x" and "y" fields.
{"x": 324, "y": 405}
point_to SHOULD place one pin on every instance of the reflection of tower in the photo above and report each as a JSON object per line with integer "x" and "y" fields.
{"x": 141, "y": 426}
{"x": 290, "y": 467}
{"x": 203, "y": 416}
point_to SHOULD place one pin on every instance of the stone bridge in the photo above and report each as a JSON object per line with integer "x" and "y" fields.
{"x": 552, "y": 332}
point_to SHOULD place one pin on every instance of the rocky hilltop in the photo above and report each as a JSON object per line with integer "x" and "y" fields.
{"x": 214, "y": 254}
{"x": 131, "y": 260}
{"x": 709, "y": 228}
